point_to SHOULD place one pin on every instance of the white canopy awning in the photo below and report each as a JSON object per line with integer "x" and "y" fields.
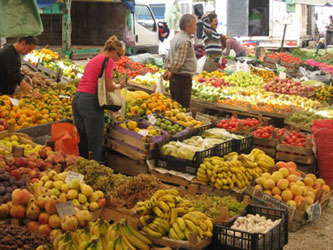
{"x": 313, "y": 2}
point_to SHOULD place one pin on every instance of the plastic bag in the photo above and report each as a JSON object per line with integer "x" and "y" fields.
{"x": 322, "y": 131}
{"x": 66, "y": 138}
{"x": 242, "y": 66}
{"x": 200, "y": 64}
{"x": 128, "y": 38}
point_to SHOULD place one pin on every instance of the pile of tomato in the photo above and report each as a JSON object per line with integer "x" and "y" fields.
{"x": 133, "y": 69}
{"x": 267, "y": 132}
{"x": 285, "y": 58}
{"x": 232, "y": 123}
{"x": 295, "y": 138}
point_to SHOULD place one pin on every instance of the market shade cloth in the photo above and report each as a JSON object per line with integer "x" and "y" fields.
{"x": 313, "y": 2}
{"x": 45, "y": 3}
{"x": 19, "y": 18}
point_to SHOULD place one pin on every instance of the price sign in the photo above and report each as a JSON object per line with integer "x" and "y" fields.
{"x": 314, "y": 211}
{"x": 143, "y": 132}
{"x": 152, "y": 119}
{"x": 65, "y": 209}
{"x": 64, "y": 96}
{"x": 15, "y": 102}
{"x": 72, "y": 175}
{"x": 283, "y": 75}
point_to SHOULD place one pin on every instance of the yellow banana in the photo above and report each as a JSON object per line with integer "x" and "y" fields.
{"x": 173, "y": 235}
{"x": 159, "y": 193}
{"x": 209, "y": 224}
{"x": 158, "y": 212}
{"x": 173, "y": 192}
{"x": 182, "y": 210}
{"x": 173, "y": 215}
{"x": 179, "y": 232}
{"x": 171, "y": 204}
{"x": 152, "y": 232}
{"x": 164, "y": 223}
{"x": 125, "y": 238}
{"x": 163, "y": 206}
{"x": 138, "y": 235}
{"x": 168, "y": 198}
{"x": 191, "y": 226}
{"x": 181, "y": 223}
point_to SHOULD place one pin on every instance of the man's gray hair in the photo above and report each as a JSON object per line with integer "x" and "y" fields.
{"x": 185, "y": 20}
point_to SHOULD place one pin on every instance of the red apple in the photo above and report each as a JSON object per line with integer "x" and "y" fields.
{"x": 44, "y": 218}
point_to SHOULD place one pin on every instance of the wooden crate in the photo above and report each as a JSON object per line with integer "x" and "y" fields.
{"x": 266, "y": 145}
{"x": 290, "y": 67}
{"x": 193, "y": 243}
{"x": 115, "y": 214}
{"x": 125, "y": 165}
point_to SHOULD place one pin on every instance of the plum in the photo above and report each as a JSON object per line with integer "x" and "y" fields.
{"x": 6, "y": 198}
{"x": 2, "y": 190}
{"x": 5, "y": 183}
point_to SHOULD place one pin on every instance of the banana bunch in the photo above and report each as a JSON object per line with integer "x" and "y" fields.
{"x": 264, "y": 161}
{"x": 224, "y": 172}
{"x": 161, "y": 211}
{"x": 192, "y": 222}
{"x": 43, "y": 247}
{"x": 101, "y": 236}
{"x": 133, "y": 95}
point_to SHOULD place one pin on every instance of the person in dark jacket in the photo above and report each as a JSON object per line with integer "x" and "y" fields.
{"x": 163, "y": 31}
{"x": 10, "y": 66}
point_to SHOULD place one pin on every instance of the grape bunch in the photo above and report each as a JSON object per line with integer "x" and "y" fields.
{"x": 138, "y": 188}
{"x": 211, "y": 205}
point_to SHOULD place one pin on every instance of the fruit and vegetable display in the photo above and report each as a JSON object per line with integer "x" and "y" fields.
{"x": 80, "y": 194}
{"x": 215, "y": 74}
{"x": 98, "y": 176}
{"x": 287, "y": 185}
{"x": 234, "y": 170}
{"x": 44, "y": 55}
{"x": 211, "y": 205}
{"x": 244, "y": 79}
{"x": 138, "y": 188}
{"x": 267, "y": 75}
{"x": 8, "y": 142}
{"x": 324, "y": 93}
{"x": 284, "y": 58}
{"x": 205, "y": 92}
{"x": 56, "y": 104}
{"x": 199, "y": 50}
{"x": 8, "y": 183}
{"x": 167, "y": 214}
{"x": 38, "y": 80}
{"x": 295, "y": 138}
{"x": 289, "y": 87}
{"x": 133, "y": 69}
{"x": 254, "y": 224}
{"x": 233, "y": 123}
{"x": 141, "y": 129}
{"x": 103, "y": 236}
{"x": 220, "y": 133}
{"x": 169, "y": 126}
{"x": 267, "y": 132}
{"x": 320, "y": 65}
{"x": 187, "y": 148}
{"x": 304, "y": 118}
{"x": 15, "y": 237}
{"x": 149, "y": 79}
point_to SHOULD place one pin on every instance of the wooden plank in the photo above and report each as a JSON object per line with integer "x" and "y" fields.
{"x": 264, "y": 141}
{"x": 297, "y": 125}
{"x": 112, "y": 215}
{"x": 169, "y": 178}
{"x": 125, "y": 165}
{"x": 307, "y": 151}
{"x": 131, "y": 140}
{"x": 307, "y": 160}
{"x": 123, "y": 149}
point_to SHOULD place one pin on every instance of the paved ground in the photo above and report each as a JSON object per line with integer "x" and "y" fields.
{"x": 316, "y": 235}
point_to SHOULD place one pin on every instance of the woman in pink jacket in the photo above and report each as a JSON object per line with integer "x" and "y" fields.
{"x": 232, "y": 44}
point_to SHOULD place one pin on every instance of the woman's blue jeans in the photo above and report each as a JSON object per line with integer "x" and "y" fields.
{"x": 89, "y": 120}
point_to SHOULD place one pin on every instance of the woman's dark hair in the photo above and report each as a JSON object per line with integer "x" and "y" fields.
{"x": 211, "y": 17}
{"x": 29, "y": 40}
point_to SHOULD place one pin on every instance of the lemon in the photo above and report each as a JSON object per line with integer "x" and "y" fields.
{"x": 14, "y": 138}
{"x": 132, "y": 125}
{"x": 136, "y": 130}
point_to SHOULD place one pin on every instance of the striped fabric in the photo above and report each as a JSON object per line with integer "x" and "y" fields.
{"x": 212, "y": 39}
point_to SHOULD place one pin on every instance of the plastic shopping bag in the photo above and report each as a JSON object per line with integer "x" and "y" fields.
{"x": 66, "y": 138}
{"x": 200, "y": 64}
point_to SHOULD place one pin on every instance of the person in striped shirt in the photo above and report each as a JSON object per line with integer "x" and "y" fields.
{"x": 211, "y": 37}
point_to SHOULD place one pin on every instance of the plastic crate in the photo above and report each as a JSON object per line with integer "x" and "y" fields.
{"x": 244, "y": 145}
{"x": 190, "y": 166}
{"x": 275, "y": 239}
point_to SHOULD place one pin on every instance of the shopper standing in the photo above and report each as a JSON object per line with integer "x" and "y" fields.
{"x": 181, "y": 62}
{"x": 212, "y": 40}
{"x": 88, "y": 115}
{"x": 329, "y": 32}
{"x": 232, "y": 44}
{"x": 10, "y": 66}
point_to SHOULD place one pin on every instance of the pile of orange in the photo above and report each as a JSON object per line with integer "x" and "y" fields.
{"x": 32, "y": 112}
{"x": 156, "y": 103}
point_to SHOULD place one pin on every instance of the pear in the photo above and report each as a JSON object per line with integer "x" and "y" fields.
{"x": 44, "y": 178}
{"x": 48, "y": 184}
{"x": 84, "y": 217}
{"x": 62, "y": 176}
{"x": 93, "y": 206}
{"x": 65, "y": 188}
{"x": 63, "y": 197}
{"x": 100, "y": 194}
{"x": 93, "y": 197}
{"x": 75, "y": 202}
{"x": 86, "y": 189}
{"x": 58, "y": 184}
{"x": 72, "y": 194}
{"x": 52, "y": 174}
{"x": 55, "y": 192}
{"x": 82, "y": 198}
{"x": 74, "y": 184}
